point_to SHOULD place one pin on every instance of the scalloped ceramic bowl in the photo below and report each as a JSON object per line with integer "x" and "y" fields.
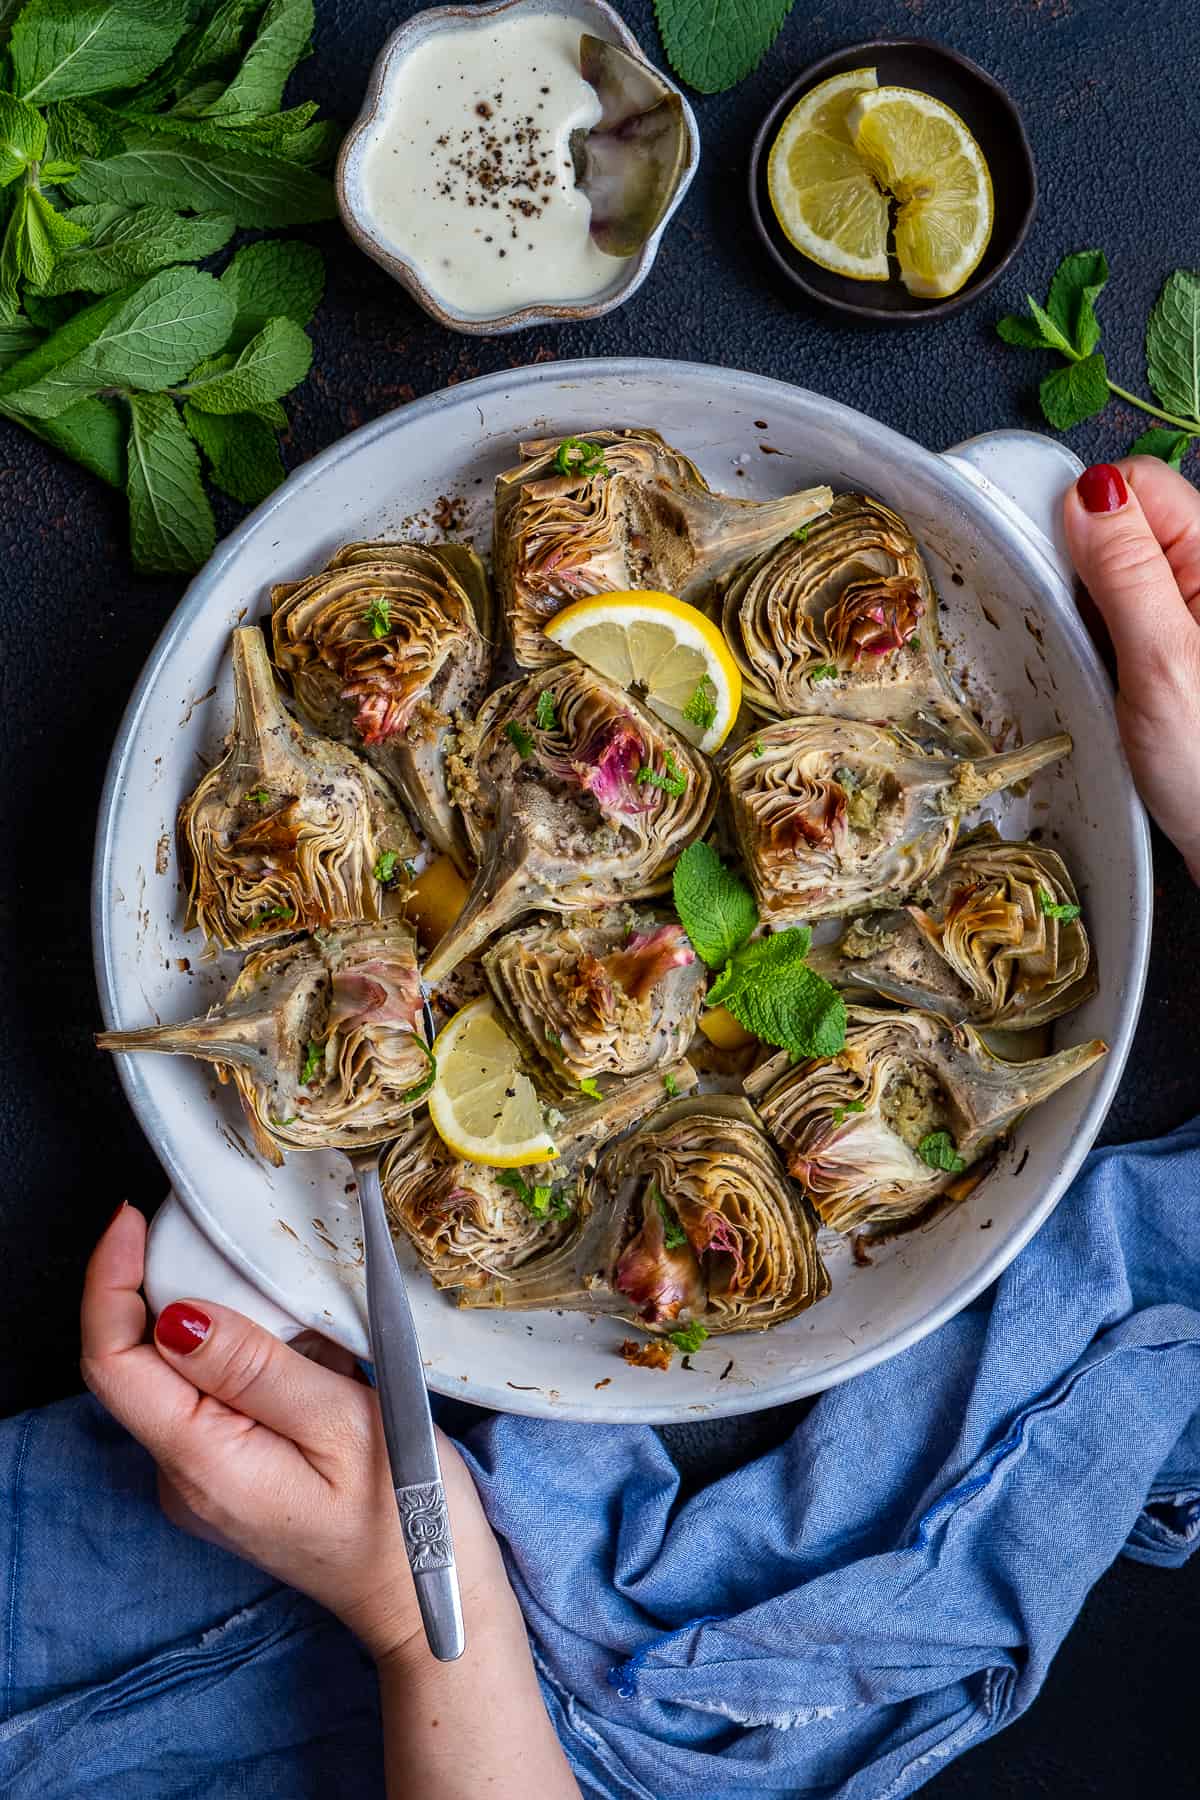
{"x": 285, "y": 1244}
{"x": 594, "y": 17}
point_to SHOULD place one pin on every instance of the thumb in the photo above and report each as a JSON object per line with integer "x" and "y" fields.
{"x": 1127, "y": 574}
{"x": 226, "y": 1355}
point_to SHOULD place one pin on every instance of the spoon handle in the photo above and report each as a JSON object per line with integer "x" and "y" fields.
{"x": 408, "y": 1426}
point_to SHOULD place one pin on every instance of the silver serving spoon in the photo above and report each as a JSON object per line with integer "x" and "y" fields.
{"x": 408, "y": 1423}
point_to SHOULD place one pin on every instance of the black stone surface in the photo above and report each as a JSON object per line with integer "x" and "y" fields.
{"x": 1109, "y": 96}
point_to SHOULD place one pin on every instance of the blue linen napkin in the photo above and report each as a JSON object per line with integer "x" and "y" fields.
{"x": 844, "y": 1614}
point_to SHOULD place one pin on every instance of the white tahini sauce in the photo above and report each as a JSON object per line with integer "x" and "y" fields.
{"x": 469, "y": 175}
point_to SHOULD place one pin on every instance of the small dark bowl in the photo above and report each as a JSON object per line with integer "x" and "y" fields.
{"x": 987, "y": 111}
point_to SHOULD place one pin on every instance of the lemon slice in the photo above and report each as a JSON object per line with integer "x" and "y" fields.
{"x": 823, "y": 196}
{"x": 482, "y": 1106}
{"x": 665, "y": 650}
{"x": 920, "y": 150}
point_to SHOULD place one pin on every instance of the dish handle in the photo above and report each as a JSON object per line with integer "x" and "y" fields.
{"x": 1026, "y": 475}
{"x": 182, "y": 1263}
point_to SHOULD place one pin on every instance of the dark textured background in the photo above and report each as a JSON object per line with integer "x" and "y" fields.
{"x": 1109, "y": 94}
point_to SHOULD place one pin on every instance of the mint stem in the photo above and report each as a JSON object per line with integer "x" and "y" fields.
{"x": 1156, "y": 412}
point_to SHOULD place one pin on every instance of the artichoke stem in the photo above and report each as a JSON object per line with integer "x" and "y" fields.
{"x": 256, "y": 703}
{"x": 501, "y": 893}
{"x": 216, "y": 1040}
{"x": 985, "y": 775}
{"x": 728, "y": 532}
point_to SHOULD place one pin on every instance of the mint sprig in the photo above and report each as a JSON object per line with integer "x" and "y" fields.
{"x": 1064, "y": 911}
{"x": 937, "y": 1149}
{"x": 766, "y": 983}
{"x": 1068, "y": 326}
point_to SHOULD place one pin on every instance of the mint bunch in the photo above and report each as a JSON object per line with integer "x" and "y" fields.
{"x": 1068, "y": 326}
{"x": 136, "y": 137}
{"x": 766, "y": 983}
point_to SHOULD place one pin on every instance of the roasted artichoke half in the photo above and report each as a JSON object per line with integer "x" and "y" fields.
{"x": 843, "y": 619}
{"x": 613, "y": 998}
{"x": 321, "y": 1037}
{"x": 588, "y": 808}
{"x": 875, "y": 1134}
{"x": 690, "y": 1216}
{"x": 983, "y": 947}
{"x": 613, "y": 510}
{"x": 472, "y": 1225}
{"x": 285, "y": 833}
{"x": 835, "y": 817}
{"x": 385, "y": 650}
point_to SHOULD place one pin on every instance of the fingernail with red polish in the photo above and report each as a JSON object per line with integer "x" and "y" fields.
{"x": 117, "y": 1210}
{"x": 1102, "y": 488}
{"x": 182, "y": 1328}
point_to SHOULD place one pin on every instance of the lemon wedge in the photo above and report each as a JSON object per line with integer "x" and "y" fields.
{"x": 666, "y": 651}
{"x": 824, "y": 197}
{"x": 921, "y": 152}
{"x": 483, "y": 1107}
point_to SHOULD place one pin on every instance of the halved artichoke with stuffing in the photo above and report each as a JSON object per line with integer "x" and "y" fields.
{"x": 385, "y": 649}
{"x": 286, "y": 832}
{"x": 835, "y": 817}
{"x": 615, "y": 510}
{"x": 998, "y": 940}
{"x": 903, "y": 1115}
{"x": 843, "y": 619}
{"x": 472, "y": 1225}
{"x": 322, "y": 1038}
{"x": 574, "y": 797}
{"x": 609, "y": 998}
{"x": 688, "y": 1217}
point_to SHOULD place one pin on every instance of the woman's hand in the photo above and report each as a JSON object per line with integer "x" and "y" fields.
{"x": 1134, "y": 533}
{"x": 265, "y": 1452}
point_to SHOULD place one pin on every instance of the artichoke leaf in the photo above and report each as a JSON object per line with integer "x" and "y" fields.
{"x": 344, "y": 1008}
{"x": 387, "y": 649}
{"x": 616, "y": 998}
{"x": 835, "y": 817}
{"x": 844, "y": 620}
{"x": 981, "y": 947}
{"x": 646, "y": 519}
{"x": 587, "y": 813}
{"x": 284, "y": 833}
{"x": 850, "y": 1127}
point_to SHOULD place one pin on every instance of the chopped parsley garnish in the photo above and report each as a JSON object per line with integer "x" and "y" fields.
{"x": 851, "y": 1106}
{"x": 260, "y": 796}
{"x": 671, "y": 1085}
{"x": 314, "y": 1061}
{"x": 701, "y": 709}
{"x": 801, "y": 534}
{"x": 379, "y": 616}
{"x": 939, "y": 1152}
{"x": 590, "y": 1087}
{"x": 758, "y": 746}
{"x": 575, "y": 456}
{"x": 673, "y": 782}
{"x": 1054, "y": 909}
{"x": 673, "y": 1235}
{"x": 689, "y": 1338}
{"x": 545, "y": 1201}
{"x": 824, "y": 672}
{"x": 546, "y": 718}
{"x": 385, "y": 866}
{"x": 519, "y": 738}
{"x": 272, "y": 912}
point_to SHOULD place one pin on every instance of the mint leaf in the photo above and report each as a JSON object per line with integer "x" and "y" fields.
{"x": 64, "y": 48}
{"x": 283, "y": 35}
{"x": 124, "y": 246}
{"x": 1025, "y": 332}
{"x": 1054, "y": 909}
{"x": 150, "y": 339}
{"x": 519, "y": 738}
{"x": 1053, "y": 334}
{"x": 689, "y": 1337}
{"x": 589, "y": 1087}
{"x": 1164, "y": 442}
{"x": 241, "y": 451}
{"x": 1173, "y": 344}
{"x": 1078, "y": 392}
{"x": 671, "y": 778}
{"x": 22, "y": 137}
{"x": 701, "y": 709}
{"x": 62, "y": 345}
{"x": 713, "y": 44}
{"x": 217, "y": 43}
{"x": 314, "y": 1061}
{"x": 937, "y": 1149}
{"x": 45, "y": 234}
{"x": 17, "y": 340}
{"x": 546, "y": 717}
{"x": 92, "y": 433}
{"x": 674, "y": 1236}
{"x": 255, "y": 190}
{"x": 273, "y": 280}
{"x": 1071, "y": 303}
{"x": 771, "y": 991}
{"x": 171, "y": 524}
{"x": 717, "y": 911}
{"x": 75, "y": 129}
{"x": 271, "y": 365}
